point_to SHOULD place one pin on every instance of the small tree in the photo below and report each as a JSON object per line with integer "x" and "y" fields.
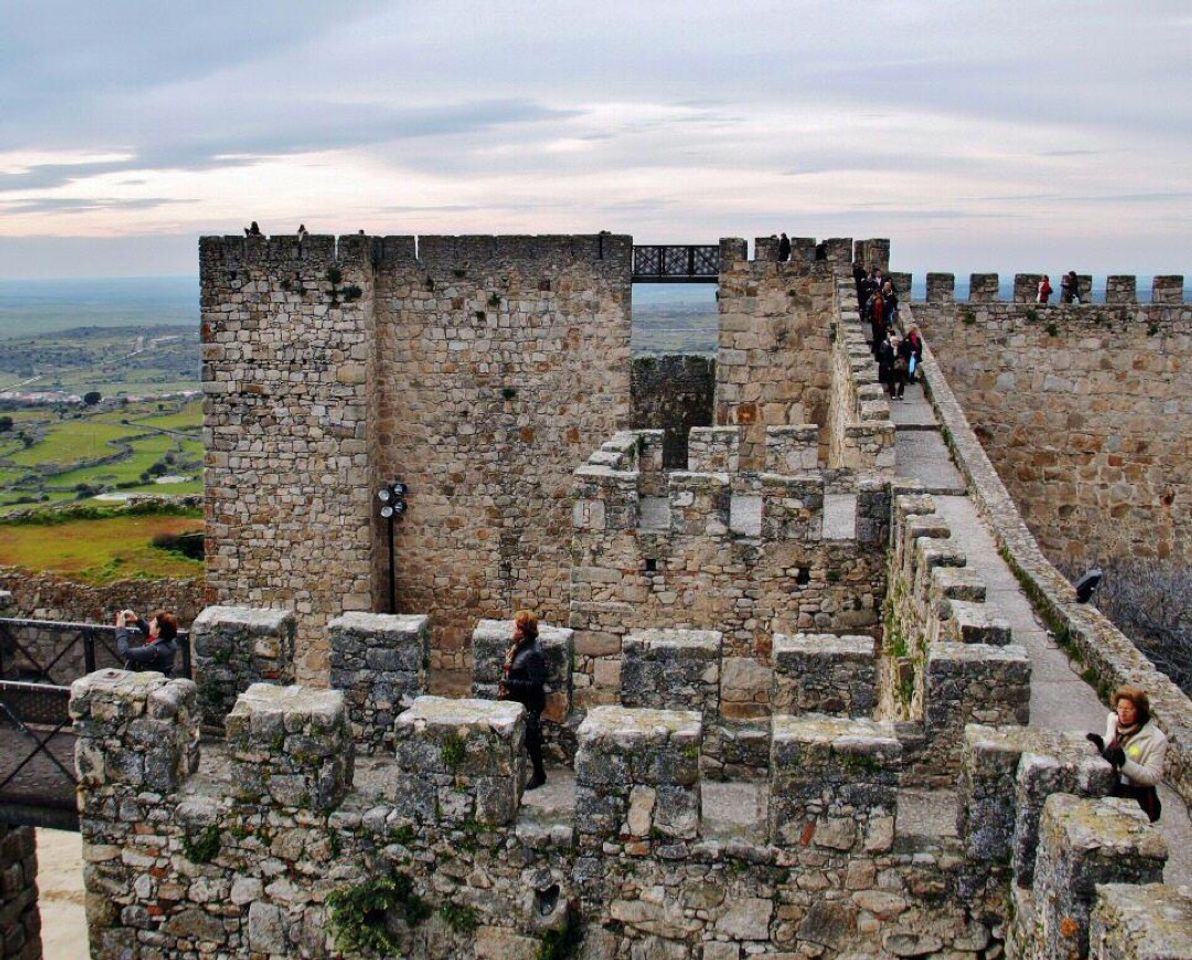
{"x": 92, "y": 397}
{"x": 1151, "y": 603}
{"x": 5, "y": 424}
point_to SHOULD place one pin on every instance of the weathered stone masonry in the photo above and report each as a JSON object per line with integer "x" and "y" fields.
{"x": 1084, "y": 409}
{"x": 478, "y": 369}
{"x": 20, "y": 921}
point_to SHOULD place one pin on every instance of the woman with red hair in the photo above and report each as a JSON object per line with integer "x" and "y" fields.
{"x": 525, "y": 683}
{"x": 1136, "y": 748}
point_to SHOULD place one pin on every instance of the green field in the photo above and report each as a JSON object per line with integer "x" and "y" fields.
{"x": 101, "y": 550}
{"x": 44, "y": 457}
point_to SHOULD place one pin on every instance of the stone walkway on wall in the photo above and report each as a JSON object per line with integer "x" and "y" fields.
{"x": 1060, "y": 699}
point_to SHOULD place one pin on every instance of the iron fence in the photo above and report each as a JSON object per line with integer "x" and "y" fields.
{"x": 676, "y": 264}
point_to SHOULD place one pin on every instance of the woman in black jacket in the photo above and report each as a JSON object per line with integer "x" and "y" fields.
{"x": 525, "y": 683}
{"x": 157, "y": 641}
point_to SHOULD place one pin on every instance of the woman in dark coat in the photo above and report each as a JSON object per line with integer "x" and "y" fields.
{"x": 155, "y": 642}
{"x": 525, "y": 683}
{"x": 885, "y": 365}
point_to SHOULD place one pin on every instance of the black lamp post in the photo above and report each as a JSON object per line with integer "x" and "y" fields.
{"x": 393, "y": 504}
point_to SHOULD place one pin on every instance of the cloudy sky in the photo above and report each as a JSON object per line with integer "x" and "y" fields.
{"x": 1001, "y": 135}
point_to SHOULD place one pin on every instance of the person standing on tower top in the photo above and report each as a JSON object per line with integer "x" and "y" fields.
{"x": 784, "y": 248}
{"x": 1044, "y": 293}
{"x": 525, "y": 683}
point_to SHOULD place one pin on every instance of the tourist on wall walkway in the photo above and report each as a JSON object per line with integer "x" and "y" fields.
{"x": 155, "y": 641}
{"x": 525, "y": 683}
{"x": 1136, "y": 748}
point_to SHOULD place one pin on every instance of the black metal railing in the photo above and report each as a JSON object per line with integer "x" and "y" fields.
{"x": 59, "y": 652}
{"x": 676, "y": 264}
{"x": 39, "y": 659}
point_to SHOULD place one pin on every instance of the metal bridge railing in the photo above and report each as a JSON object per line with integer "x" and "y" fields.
{"x": 39, "y": 659}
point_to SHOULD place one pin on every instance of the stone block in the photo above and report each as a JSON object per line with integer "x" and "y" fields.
{"x": 963, "y": 621}
{"x": 135, "y": 731}
{"x": 1083, "y": 843}
{"x": 1121, "y": 288}
{"x": 380, "y": 662}
{"x": 672, "y": 670}
{"x": 941, "y": 287}
{"x": 637, "y": 773}
{"x": 1150, "y": 921}
{"x": 714, "y": 449}
{"x": 235, "y": 647}
{"x": 971, "y": 683}
{"x": 292, "y": 745}
{"x": 956, "y": 583}
{"x": 700, "y": 503}
{"x": 792, "y": 451}
{"x": 490, "y": 641}
{"x": 823, "y": 673}
{"x": 792, "y": 507}
{"x": 833, "y": 783}
{"x": 459, "y": 760}
{"x": 1167, "y": 289}
{"x": 983, "y": 287}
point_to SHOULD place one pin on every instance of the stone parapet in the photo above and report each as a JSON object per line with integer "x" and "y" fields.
{"x": 490, "y": 642}
{"x": 824, "y": 673}
{"x": 714, "y": 449}
{"x": 833, "y": 784}
{"x": 1148, "y": 921}
{"x": 235, "y": 647}
{"x": 379, "y": 661}
{"x": 292, "y": 745}
{"x": 459, "y": 761}
{"x": 637, "y": 775}
{"x": 135, "y": 732}
{"x": 1006, "y": 775}
{"x": 1083, "y": 843}
{"x": 1091, "y": 639}
{"x": 872, "y": 253}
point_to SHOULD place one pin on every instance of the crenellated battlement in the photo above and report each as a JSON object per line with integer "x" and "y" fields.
{"x": 287, "y": 796}
{"x": 1117, "y": 289}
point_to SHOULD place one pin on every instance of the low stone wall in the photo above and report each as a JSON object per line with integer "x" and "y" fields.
{"x": 1108, "y": 656}
{"x": 20, "y": 920}
{"x": 46, "y": 596}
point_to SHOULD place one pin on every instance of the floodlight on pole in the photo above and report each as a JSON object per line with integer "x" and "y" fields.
{"x": 392, "y": 498}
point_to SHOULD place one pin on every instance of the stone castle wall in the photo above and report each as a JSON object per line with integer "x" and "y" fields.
{"x": 501, "y": 362}
{"x": 774, "y": 366}
{"x": 288, "y": 368}
{"x": 476, "y": 369}
{"x": 20, "y": 919}
{"x": 1085, "y": 412}
{"x": 673, "y": 394}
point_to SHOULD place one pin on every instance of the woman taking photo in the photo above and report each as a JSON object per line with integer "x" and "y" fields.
{"x": 525, "y": 683}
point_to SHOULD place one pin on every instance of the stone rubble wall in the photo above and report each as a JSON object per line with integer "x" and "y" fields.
{"x": 1139, "y": 921}
{"x": 673, "y": 394}
{"x": 44, "y": 596}
{"x": 20, "y": 918}
{"x": 244, "y": 858}
{"x": 1087, "y": 636}
{"x": 1085, "y": 412}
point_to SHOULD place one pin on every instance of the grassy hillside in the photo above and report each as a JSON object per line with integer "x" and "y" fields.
{"x": 52, "y": 456}
{"x": 104, "y": 549}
